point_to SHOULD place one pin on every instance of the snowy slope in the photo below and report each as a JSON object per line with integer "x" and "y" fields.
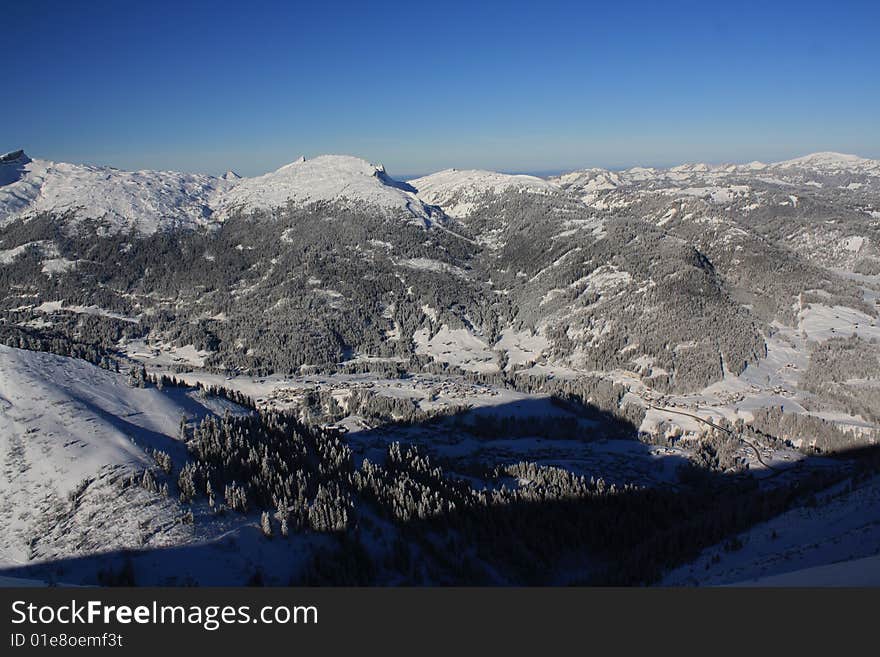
{"x": 63, "y": 420}
{"x": 457, "y": 190}
{"x": 144, "y": 200}
{"x": 323, "y": 178}
{"x": 855, "y": 572}
{"x": 794, "y": 547}
{"x": 588, "y": 183}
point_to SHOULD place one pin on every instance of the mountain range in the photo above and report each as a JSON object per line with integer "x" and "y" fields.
{"x": 157, "y": 200}
{"x": 672, "y": 307}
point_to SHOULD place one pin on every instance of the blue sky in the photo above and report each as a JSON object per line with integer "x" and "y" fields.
{"x": 531, "y": 86}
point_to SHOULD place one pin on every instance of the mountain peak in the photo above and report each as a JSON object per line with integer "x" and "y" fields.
{"x": 14, "y": 157}
{"x": 824, "y": 158}
{"x": 342, "y": 165}
{"x": 324, "y": 178}
{"x": 455, "y": 190}
{"x": 230, "y": 175}
{"x": 12, "y": 166}
{"x": 300, "y": 160}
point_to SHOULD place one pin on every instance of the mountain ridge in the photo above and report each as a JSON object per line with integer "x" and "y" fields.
{"x": 149, "y": 200}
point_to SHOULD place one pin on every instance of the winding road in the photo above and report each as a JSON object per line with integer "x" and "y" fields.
{"x": 720, "y": 428}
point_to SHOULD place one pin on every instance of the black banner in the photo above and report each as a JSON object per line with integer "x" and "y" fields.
{"x": 411, "y": 621}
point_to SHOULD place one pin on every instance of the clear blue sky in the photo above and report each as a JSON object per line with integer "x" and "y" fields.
{"x": 531, "y": 86}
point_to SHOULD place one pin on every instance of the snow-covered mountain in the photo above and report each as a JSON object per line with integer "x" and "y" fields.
{"x": 590, "y": 181}
{"x": 458, "y": 190}
{"x": 142, "y": 200}
{"x": 550, "y": 248}
{"x": 829, "y": 162}
{"x": 323, "y": 178}
{"x": 147, "y": 201}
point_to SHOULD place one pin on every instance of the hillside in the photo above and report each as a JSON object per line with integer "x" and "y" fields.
{"x": 69, "y": 432}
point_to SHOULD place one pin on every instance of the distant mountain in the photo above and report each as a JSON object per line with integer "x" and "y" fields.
{"x": 592, "y": 182}
{"x": 324, "y": 178}
{"x": 142, "y": 200}
{"x": 151, "y": 200}
{"x": 830, "y": 162}
{"x": 147, "y": 201}
{"x": 457, "y": 191}
{"x": 588, "y": 183}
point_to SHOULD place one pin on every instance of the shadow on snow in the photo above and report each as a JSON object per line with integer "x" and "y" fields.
{"x": 624, "y": 536}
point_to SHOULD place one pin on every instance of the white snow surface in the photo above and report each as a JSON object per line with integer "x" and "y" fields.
{"x": 457, "y": 347}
